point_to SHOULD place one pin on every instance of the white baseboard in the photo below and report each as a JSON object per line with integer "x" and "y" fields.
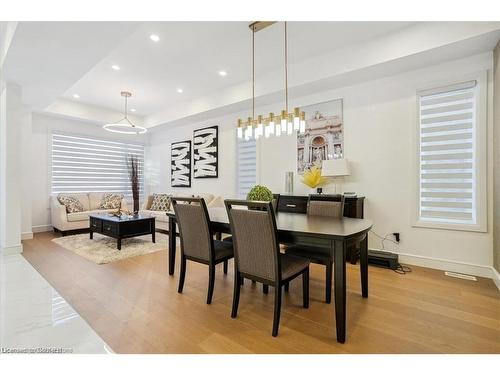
{"x": 10, "y": 250}
{"x": 496, "y": 277}
{"x": 42, "y": 228}
{"x": 447, "y": 265}
{"x": 26, "y": 236}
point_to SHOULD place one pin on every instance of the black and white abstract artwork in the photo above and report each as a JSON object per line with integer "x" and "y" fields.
{"x": 205, "y": 149}
{"x": 180, "y": 164}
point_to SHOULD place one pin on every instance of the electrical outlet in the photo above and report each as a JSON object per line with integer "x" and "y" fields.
{"x": 397, "y": 236}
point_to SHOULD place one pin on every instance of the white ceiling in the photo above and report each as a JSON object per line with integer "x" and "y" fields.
{"x": 54, "y": 60}
{"x": 189, "y": 55}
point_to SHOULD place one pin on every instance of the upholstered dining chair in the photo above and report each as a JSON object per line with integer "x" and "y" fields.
{"x": 197, "y": 243}
{"x": 257, "y": 254}
{"x": 330, "y": 206}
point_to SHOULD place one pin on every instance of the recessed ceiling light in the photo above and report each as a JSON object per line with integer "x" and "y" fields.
{"x": 223, "y": 73}
{"x": 115, "y": 67}
{"x": 180, "y": 91}
{"x": 133, "y": 110}
{"x": 76, "y": 96}
{"x": 154, "y": 38}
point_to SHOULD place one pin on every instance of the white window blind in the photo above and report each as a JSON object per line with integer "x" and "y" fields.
{"x": 247, "y": 166}
{"x": 85, "y": 164}
{"x": 448, "y": 154}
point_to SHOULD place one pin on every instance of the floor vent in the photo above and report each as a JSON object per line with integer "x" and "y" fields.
{"x": 461, "y": 276}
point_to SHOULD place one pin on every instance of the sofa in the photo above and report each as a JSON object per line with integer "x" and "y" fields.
{"x": 161, "y": 221}
{"x": 64, "y": 222}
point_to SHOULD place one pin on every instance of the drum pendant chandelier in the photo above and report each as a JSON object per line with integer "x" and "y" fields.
{"x": 286, "y": 122}
{"x": 125, "y": 126}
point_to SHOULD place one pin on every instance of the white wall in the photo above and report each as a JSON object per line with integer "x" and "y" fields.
{"x": 39, "y": 174}
{"x": 380, "y": 131}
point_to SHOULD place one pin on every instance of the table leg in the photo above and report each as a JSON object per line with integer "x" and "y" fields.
{"x": 91, "y": 234}
{"x": 339, "y": 251}
{"x": 153, "y": 231}
{"x": 119, "y": 243}
{"x": 363, "y": 262}
{"x": 171, "y": 245}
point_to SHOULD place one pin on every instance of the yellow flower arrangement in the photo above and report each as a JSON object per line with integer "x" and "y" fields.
{"x": 313, "y": 178}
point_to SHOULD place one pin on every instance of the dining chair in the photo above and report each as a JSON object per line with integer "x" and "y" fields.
{"x": 197, "y": 242}
{"x": 329, "y": 206}
{"x": 257, "y": 254}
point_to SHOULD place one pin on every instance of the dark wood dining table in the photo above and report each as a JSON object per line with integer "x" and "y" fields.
{"x": 308, "y": 230}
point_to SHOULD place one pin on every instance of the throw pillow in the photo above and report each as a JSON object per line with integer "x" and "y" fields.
{"x": 72, "y": 204}
{"x": 111, "y": 201}
{"x": 161, "y": 202}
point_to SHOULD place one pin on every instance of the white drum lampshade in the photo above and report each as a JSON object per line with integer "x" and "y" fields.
{"x": 335, "y": 168}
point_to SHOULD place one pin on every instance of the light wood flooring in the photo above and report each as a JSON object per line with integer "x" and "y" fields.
{"x": 134, "y": 306}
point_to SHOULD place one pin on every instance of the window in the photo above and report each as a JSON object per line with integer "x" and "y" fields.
{"x": 84, "y": 164}
{"x": 247, "y": 166}
{"x": 449, "y": 160}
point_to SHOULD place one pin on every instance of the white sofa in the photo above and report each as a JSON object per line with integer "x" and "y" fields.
{"x": 64, "y": 222}
{"x": 161, "y": 221}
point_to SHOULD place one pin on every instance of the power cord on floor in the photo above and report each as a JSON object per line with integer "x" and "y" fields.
{"x": 400, "y": 269}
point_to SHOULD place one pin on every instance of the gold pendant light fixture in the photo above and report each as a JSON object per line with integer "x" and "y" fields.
{"x": 285, "y": 122}
{"x": 125, "y": 126}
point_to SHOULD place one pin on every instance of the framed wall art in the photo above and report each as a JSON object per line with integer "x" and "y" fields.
{"x": 205, "y": 152}
{"x": 324, "y": 136}
{"x": 180, "y": 164}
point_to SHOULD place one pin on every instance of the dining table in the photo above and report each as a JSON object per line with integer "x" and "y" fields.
{"x": 309, "y": 231}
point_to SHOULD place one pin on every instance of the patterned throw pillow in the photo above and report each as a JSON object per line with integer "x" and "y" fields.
{"x": 111, "y": 201}
{"x": 72, "y": 204}
{"x": 161, "y": 202}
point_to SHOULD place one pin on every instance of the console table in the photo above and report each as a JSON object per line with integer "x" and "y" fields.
{"x": 353, "y": 207}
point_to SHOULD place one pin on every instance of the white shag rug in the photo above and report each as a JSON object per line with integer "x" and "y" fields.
{"x": 102, "y": 249}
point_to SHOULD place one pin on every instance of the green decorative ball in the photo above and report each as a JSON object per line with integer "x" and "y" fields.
{"x": 260, "y": 193}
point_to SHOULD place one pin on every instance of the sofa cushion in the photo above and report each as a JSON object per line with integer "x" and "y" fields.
{"x": 81, "y": 216}
{"x": 159, "y": 215}
{"x": 161, "y": 202}
{"x": 95, "y": 200}
{"x": 71, "y": 203}
{"x": 111, "y": 201}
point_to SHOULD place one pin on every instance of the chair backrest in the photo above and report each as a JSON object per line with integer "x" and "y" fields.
{"x": 326, "y": 205}
{"x": 256, "y": 248}
{"x": 275, "y": 201}
{"x": 193, "y": 220}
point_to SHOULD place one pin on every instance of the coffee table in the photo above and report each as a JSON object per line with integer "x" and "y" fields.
{"x": 120, "y": 228}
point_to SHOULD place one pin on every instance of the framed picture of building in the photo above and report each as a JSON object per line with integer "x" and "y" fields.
{"x": 180, "y": 164}
{"x": 324, "y": 136}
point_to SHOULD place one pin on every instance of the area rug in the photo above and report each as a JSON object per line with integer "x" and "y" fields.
{"x": 102, "y": 249}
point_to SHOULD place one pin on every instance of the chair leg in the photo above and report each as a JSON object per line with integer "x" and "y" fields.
{"x": 211, "y": 283}
{"x": 236, "y": 294}
{"x": 182, "y": 276}
{"x": 305, "y": 288}
{"x": 225, "y": 267}
{"x": 287, "y": 287}
{"x": 329, "y": 272}
{"x": 265, "y": 288}
{"x": 277, "y": 310}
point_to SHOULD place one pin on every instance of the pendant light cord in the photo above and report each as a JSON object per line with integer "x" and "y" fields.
{"x": 286, "y": 68}
{"x": 253, "y": 73}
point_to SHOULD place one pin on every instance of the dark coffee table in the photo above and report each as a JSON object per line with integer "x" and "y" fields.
{"x": 119, "y": 228}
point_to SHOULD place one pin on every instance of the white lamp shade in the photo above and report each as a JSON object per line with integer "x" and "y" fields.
{"x": 335, "y": 168}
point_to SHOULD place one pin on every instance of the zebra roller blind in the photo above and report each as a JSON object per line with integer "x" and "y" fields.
{"x": 448, "y": 154}
{"x": 85, "y": 164}
{"x": 247, "y": 166}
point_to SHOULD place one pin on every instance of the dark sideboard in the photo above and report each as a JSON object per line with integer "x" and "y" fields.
{"x": 353, "y": 207}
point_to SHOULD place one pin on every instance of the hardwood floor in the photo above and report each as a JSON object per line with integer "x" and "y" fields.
{"x": 134, "y": 306}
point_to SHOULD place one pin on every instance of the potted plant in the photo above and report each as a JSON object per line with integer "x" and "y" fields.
{"x": 260, "y": 193}
{"x": 314, "y": 179}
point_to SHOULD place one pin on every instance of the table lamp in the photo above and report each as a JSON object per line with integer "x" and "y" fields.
{"x": 335, "y": 168}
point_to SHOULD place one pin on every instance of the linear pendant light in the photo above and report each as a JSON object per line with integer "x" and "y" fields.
{"x": 125, "y": 126}
{"x": 286, "y": 122}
